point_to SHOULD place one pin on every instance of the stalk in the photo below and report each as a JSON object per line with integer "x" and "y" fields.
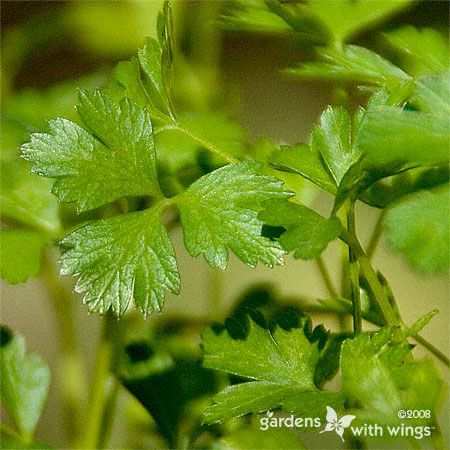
{"x": 97, "y": 395}
{"x": 326, "y": 276}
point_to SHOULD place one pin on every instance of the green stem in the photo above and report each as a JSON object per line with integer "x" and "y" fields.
{"x": 215, "y": 291}
{"x": 108, "y": 414}
{"x": 326, "y": 276}
{"x": 354, "y": 274}
{"x": 13, "y": 434}
{"x": 376, "y": 235}
{"x": 369, "y": 274}
{"x": 432, "y": 349}
{"x": 97, "y": 398}
{"x": 200, "y": 140}
{"x": 71, "y": 367}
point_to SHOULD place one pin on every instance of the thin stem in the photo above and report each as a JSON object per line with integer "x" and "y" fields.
{"x": 108, "y": 416}
{"x": 432, "y": 349}
{"x": 354, "y": 274}
{"x": 369, "y": 274}
{"x": 326, "y": 276}
{"x": 97, "y": 399}
{"x": 8, "y": 431}
{"x": 215, "y": 291}
{"x": 376, "y": 235}
{"x": 71, "y": 367}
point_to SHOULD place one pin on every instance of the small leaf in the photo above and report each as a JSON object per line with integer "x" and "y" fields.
{"x": 416, "y": 227}
{"x": 25, "y": 384}
{"x": 421, "y": 323}
{"x": 218, "y": 213}
{"x": 116, "y": 160}
{"x": 120, "y": 259}
{"x": 307, "y": 232}
{"x": 21, "y": 254}
{"x": 352, "y": 64}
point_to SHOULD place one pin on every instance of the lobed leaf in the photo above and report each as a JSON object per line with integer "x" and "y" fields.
{"x": 218, "y": 214}
{"x": 120, "y": 259}
{"x": 114, "y": 159}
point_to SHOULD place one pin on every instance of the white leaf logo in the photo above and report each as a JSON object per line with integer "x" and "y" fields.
{"x": 337, "y": 424}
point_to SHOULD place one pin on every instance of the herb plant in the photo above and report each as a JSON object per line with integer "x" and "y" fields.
{"x": 139, "y": 159}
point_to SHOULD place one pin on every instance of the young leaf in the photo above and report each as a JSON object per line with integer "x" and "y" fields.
{"x": 306, "y": 161}
{"x": 416, "y": 226}
{"x": 21, "y": 254}
{"x": 120, "y": 259}
{"x": 307, "y": 232}
{"x": 281, "y": 362}
{"x": 25, "y": 383}
{"x": 115, "y": 159}
{"x": 424, "y": 51}
{"x": 333, "y": 140}
{"x": 352, "y": 64}
{"x": 218, "y": 213}
{"x": 376, "y": 373}
{"x": 432, "y": 95}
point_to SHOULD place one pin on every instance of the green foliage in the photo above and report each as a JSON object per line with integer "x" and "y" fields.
{"x": 283, "y": 363}
{"x": 415, "y": 226}
{"x": 25, "y": 383}
{"x": 378, "y": 372}
{"x": 21, "y": 254}
{"x": 307, "y": 232}
{"x": 218, "y": 212}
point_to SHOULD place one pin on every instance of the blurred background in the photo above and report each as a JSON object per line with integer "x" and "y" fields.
{"x": 51, "y": 48}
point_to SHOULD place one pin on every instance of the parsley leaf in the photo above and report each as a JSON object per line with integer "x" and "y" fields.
{"x": 21, "y": 254}
{"x": 25, "y": 382}
{"x": 307, "y": 232}
{"x": 281, "y": 362}
{"x": 115, "y": 159}
{"x": 377, "y": 373}
{"x": 120, "y": 259}
{"x": 218, "y": 212}
{"x": 423, "y": 51}
{"x": 351, "y": 64}
{"x": 416, "y": 227}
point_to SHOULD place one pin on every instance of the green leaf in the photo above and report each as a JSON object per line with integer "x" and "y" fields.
{"x": 333, "y": 140}
{"x": 345, "y": 18}
{"x": 13, "y": 444}
{"x": 307, "y": 232}
{"x": 419, "y": 138}
{"x": 305, "y": 161}
{"x": 254, "y": 438}
{"x": 378, "y": 373}
{"x": 218, "y": 213}
{"x": 115, "y": 159}
{"x": 281, "y": 362}
{"x": 432, "y": 95}
{"x": 424, "y": 51}
{"x": 120, "y": 259}
{"x": 21, "y": 254}
{"x": 416, "y": 226}
{"x": 352, "y": 64}
{"x": 25, "y": 383}
{"x": 26, "y": 198}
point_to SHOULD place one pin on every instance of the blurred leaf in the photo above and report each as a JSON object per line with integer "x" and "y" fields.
{"x": 351, "y": 64}
{"x": 307, "y": 232}
{"x": 168, "y": 390}
{"x": 345, "y": 18}
{"x": 27, "y": 198}
{"x": 424, "y": 51}
{"x": 254, "y": 438}
{"x": 417, "y": 227}
{"x": 432, "y": 95}
{"x": 21, "y": 254}
{"x": 25, "y": 383}
{"x": 12, "y": 444}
